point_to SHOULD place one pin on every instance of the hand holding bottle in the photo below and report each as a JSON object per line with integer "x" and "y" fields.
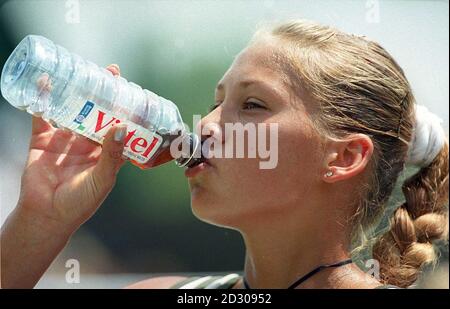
{"x": 65, "y": 180}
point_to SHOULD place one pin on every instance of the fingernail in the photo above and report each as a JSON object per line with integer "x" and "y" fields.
{"x": 119, "y": 135}
{"x": 115, "y": 67}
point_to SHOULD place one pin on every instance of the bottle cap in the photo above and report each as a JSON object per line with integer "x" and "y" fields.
{"x": 195, "y": 154}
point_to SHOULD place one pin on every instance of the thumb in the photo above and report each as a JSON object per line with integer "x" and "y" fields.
{"x": 39, "y": 125}
{"x": 110, "y": 159}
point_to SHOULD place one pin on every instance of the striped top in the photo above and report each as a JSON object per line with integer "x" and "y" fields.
{"x": 225, "y": 282}
{"x": 208, "y": 282}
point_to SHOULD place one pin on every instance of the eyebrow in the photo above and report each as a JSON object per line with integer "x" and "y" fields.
{"x": 242, "y": 84}
{"x": 246, "y": 83}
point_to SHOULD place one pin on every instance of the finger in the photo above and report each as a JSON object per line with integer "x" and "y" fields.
{"x": 114, "y": 69}
{"x": 38, "y": 125}
{"x": 110, "y": 159}
{"x": 44, "y": 83}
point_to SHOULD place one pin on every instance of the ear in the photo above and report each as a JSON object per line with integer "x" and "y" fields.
{"x": 347, "y": 157}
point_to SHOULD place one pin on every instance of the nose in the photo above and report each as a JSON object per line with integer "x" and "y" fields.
{"x": 211, "y": 126}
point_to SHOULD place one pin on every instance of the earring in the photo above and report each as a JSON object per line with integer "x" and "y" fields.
{"x": 328, "y": 174}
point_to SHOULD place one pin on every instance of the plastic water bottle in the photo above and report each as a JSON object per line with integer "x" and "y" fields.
{"x": 48, "y": 81}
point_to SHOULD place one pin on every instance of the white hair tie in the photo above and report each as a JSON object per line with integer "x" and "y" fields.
{"x": 428, "y": 137}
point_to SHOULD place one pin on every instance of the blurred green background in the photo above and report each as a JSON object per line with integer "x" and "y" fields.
{"x": 179, "y": 50}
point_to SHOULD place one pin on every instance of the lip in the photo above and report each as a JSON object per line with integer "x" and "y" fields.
{"x": 194, "y": 171}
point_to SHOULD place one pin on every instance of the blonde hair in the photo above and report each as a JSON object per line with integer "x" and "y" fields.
{"x": 357, "y": 87}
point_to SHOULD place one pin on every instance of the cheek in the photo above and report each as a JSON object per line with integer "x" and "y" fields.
{"x": 295, "y": 173}
{"x": 298, "y": 154}
{"x": 242, "y": 187}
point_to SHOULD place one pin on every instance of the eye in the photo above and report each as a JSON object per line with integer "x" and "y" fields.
{"x": 252, "y": 105}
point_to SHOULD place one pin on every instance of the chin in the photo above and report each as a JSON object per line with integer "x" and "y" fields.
{"x": 212, "y": 212}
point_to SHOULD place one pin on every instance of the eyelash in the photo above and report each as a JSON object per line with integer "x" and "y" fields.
{"x": 246, "y": 104}
{"x": 256, "y": 105}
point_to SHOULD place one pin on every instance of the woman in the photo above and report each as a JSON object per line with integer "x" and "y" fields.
{"x": 346, "y": 129}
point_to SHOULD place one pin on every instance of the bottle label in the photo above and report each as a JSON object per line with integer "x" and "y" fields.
{"x": 93, "y": 122}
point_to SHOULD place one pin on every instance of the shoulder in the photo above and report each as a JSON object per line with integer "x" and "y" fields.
{"x": 163, "y": 282}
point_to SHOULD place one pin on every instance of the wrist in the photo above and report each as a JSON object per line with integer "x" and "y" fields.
{"x": 36, "y": 221}
{"x": 30, "y": 243}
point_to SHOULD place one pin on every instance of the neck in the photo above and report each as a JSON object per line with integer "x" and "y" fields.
{"x": 281, "y": 250}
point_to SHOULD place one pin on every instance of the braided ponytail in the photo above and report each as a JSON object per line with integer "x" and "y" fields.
{"x": 421, "y": 220}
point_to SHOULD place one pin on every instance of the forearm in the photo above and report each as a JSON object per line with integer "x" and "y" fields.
{"x": 29, "y": 244}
